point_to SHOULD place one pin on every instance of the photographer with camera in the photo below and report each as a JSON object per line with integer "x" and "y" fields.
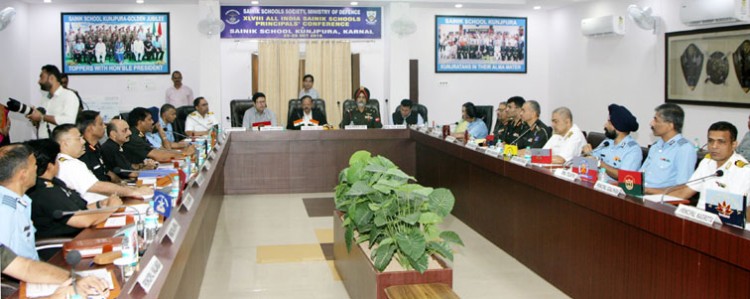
{"x": 60, "y": 106}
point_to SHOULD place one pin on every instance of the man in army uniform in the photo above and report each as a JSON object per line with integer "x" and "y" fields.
{"x": 201, "y": 121}
{"x": 515, "y": 125}
{"x": 671, "y": 159}
{"x": 90, "y": 123}
{"x": 535, "y": 133}
{"x": 137, "y": 149}
{"x": 619, "y": 150}
{"x": 362, "y": 115}
{"x": 50, "y": 194}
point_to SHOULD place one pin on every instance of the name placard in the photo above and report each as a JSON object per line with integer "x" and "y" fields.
{"x": 494, "y": 152}
{"x": 450, "y": 139}
{"x": 173, "y": 228}
{"x": 271, "y": 128}
{"x": 311, "y": 128}
{"x": 355, "y": 127}
{"x": 212, "y": 155}
{"x": 471, "y": 145}
{"x": 187, "y": 202}
{"x": 608, "y": 188}
{"x": 519, "y": 161}
{"x": 436, "y": 134}
{"x": 422, "y": 129}
{"x": 207, "y": 166}
{"x": 394, "y": 127}
{"x": 566, "y": 175}
{"x": 199, "y": 180}
{"x": 150, "y": 273}
{"x": 234, "y": 129}
{"x": 696, "y": 215}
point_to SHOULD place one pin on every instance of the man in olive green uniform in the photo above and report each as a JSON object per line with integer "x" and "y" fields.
{"x": 362, "y": 115}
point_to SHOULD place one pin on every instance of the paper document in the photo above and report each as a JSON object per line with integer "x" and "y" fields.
{"x": 657, "y": 198}
{"x": 35, "y": 290}
{"x": 119, "y": 221}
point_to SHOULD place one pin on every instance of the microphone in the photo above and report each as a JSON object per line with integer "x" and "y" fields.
{"x": 719, "y": 173}
{"x": 388, "y": 112}
{"x": 73, "y": 258}
{"x": 520, "y": 136}
{"x": 57, "y": 214}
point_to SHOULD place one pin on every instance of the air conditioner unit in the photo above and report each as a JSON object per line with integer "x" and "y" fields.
{"x": 702, "y": 12}
{"x": 603, "y": 26}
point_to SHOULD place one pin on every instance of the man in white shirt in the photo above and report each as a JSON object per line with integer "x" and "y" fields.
{"x": 77, "y": 176}
{"x": 307, "y": 88}
{"x": 61, "y": 105}
{"x": 178, "y": 95}
{"x": 567, "y": 140}
{"x": 201, "y": 121}
{"x": 722, "y": 142}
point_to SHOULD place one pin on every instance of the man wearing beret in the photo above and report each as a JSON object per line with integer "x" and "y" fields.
{"x": 619, "y": 150}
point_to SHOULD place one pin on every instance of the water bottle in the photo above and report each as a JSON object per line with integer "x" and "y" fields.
{"x": 527, "y": 154}
{"x": 209, "y": 141}
{"x": 186, "y": 167}
{"x": 175, "y": 191}
{"x": 151, "y": 224}
{"x": 602, "y": 174}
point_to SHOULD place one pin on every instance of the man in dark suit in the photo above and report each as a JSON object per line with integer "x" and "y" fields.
{"x": 307, "y": 116}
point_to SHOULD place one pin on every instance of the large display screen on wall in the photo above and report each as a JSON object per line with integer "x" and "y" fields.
{"x": 473, "y": 44}
{"x": 115, "y": 43}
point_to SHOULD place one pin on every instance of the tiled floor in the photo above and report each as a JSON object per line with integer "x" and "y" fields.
{"x": 249, "y": 260}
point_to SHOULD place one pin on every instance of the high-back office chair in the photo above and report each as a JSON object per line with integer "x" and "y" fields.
{"x": 238, "y": 108}
{"x": 484, "y": 113}
{"x": 418, "y": 108}
{"x": 179, "y": 123}
{"x": 595, "y": 138}
{"x": 320, "y": 104}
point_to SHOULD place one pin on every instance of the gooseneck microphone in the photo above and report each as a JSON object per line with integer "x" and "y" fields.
{"x": 73, "y": 258}
{"x": 719, "y": 173}
{"x": 520, "y": 136}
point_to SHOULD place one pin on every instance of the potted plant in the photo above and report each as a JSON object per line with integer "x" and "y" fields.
{"x": 381, "y": 207}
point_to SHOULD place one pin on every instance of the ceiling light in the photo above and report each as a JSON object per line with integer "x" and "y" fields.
{"x": 139, "y": 1}
{"x": 254, "y": 2}
{"x": 47, "y": 1}
{"x": 354, "y": 3}
{"x": 537, "y": 7}
{"x": 459, "y": 5}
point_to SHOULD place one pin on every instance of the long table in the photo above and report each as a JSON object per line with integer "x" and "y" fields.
{"x": 586, "y": 243}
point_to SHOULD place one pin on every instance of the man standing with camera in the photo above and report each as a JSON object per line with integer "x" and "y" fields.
{"x": 60, "y": 106}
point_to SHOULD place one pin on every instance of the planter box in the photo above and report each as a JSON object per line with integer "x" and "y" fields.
{"x": 363, "y": 281}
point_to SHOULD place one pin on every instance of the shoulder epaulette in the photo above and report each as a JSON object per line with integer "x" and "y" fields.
{"x": 682, "y": 141}
{"x": 194, "y": 113}
{"x": 48, "y": 184}
{"x": 210, "y": 113}
{"x": 740, "y": 163}
{"x": 708, "y": 156}
{"x": 62, "y": 159}
{"x": 632, "y": 143}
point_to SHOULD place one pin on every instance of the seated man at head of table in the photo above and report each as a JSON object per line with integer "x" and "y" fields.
{"x": 50, "y": 194}
{"x": 406, "y": 114}
{"x": 77, "y": 176}
{"x": 567, "y": 140}
{"x": 307, "y": 116}
{"x": 34, "y": 271}
{"x": 137, "y": 149}
{"x": 535, "y": 133}
{"x": 91, "y": 125}
{"x": 362, "y": 115}
{"x": 17, "y": 174}
{"x": 722, "y": 143}
{"x": 671, "y": 159}
{"x": 515, "y": 125}
{"x": 476, "y": 126}
{"x": 201, "y": 121}
{"x": 619, "y": 150}
{"x": 259, "y": 115}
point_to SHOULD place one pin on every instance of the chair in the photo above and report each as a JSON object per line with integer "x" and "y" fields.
{"x": 179, "y": 124}
{"x": 484, "y": 112}
{"x": 595, "y": 138}
{"x": 320, "y": 104}
{"x": 419, "y": 108}
{"x": 238, "y": 108}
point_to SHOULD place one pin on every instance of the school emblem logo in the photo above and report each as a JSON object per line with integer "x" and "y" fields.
{"x": 372, "y": 17}
{"x": 232, "y": 16}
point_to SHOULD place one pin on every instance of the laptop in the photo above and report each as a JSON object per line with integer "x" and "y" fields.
{"x": 729, "y": 206}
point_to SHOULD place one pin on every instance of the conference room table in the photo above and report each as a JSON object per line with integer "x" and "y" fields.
{"x": 586, "y": 243}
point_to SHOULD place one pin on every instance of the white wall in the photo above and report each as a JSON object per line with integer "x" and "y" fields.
{"x": 16, "y": 75}
{"x": 444, "y": 94}
{"x": 588, "y": 74}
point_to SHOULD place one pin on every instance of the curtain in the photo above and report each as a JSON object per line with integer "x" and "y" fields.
{"x": 278, "y": 75}
{"x": 330, "y": 62}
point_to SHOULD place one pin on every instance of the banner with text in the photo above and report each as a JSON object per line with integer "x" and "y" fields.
{"x": 306, "y": 22}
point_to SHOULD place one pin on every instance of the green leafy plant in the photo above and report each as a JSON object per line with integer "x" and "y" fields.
{"x": 398, "y": 218}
